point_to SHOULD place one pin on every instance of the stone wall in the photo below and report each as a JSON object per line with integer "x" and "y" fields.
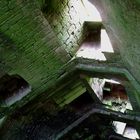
{"x": 67, "y": 20}
{"x": 28, "y": 45}
{"x": 121, "y": 19}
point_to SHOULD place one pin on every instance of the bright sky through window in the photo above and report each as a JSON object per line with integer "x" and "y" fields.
{"x": 93, "y": 14}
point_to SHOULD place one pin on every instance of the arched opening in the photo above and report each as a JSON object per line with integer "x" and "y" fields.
{"x": 96, "y": 46}
{"x": 92, "y": 12}
{"x": 97, "y": 43}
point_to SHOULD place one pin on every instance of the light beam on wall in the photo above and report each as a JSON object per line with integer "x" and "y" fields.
{"x": 87, "y": 50}
{"x": 106, "y": 45}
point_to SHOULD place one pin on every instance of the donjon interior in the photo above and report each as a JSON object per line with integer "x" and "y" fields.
{"x": 69, "y": 69}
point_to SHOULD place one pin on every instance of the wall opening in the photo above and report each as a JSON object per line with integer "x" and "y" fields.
{"x": 92, "y": 12}
{"x": 13, "y": 88}
{"x": 125, "y": 130}
{"x": 112, "y": 94}
{"x": 97, "y": 41}
{"x": 95, "y": 45}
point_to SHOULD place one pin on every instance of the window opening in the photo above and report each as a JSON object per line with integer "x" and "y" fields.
{"x": 125, "y": 130}
{"x": 130, "y": 132}
{"x": 92, "y": 12}
{"x": 111, "y": 93}
{"x": 97, "y": 41}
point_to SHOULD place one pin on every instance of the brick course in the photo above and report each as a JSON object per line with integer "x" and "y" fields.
{"x": 27, "y": 43}
{"x": 67, "y": 21}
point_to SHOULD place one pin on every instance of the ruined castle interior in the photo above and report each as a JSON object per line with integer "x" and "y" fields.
{"x": 69, "y": 69}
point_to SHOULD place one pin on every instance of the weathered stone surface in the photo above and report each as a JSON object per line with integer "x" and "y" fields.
{"x": 34, "y": 44}
{"x": 27, "y": 43}
{"x": 121, "y": 19}
{"x": 67, "y": 22}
